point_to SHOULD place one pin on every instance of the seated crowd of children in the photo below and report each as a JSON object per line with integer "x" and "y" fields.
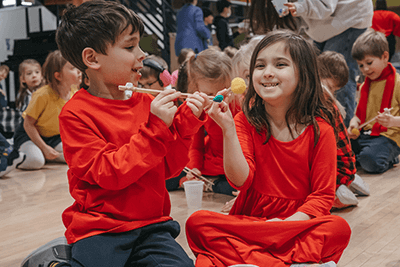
{"x": 281, "y": 148}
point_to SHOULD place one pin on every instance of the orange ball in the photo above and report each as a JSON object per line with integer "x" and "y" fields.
{"x": 355, "y": 131}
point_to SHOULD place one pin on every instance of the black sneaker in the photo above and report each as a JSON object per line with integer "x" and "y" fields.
{"x": 55, "y": 251}
{"x": 14, "y": 159}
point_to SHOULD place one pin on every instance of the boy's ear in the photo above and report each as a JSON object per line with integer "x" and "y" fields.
{"x": 90, "y": 58}
{"x": 385, "y": 56}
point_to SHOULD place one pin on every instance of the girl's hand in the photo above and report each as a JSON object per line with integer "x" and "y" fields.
{"x": 50, "y": 153}
{"x": 221, "y": 114}
{"x": 196, "y": 102}
{"x": 190, "y": 176}
{"x": 386, "y": 120}
{"x": 291, "y": 8}
{"x": 228, "y": 205}
{"x": 163, "y": 105}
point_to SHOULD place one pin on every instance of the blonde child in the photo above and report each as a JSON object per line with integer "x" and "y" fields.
{"x": 38, "y": 136}
{"x": 334, "y": 74}
{"x": 120, "y": 148}
{"x": 280, "y": 152}
{"x": 30, "y": 79}
{"x": 377, "y": 148}
{"x": 208, "y": 72}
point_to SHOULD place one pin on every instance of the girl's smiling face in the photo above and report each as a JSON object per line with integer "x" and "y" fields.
{"x": 275, "y": 75}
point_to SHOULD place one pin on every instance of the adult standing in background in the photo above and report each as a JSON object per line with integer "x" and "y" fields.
{"x": 191, "y": 31}
{"x": 334, "y": 25}
{"x": 387, "y": 22}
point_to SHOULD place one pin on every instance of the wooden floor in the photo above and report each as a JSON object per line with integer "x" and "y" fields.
{"x": 31, "y": 203}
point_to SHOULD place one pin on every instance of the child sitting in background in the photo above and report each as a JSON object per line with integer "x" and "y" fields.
{"x": 208, "y": 72}
{"x": 4, "y": 70}
{"x": 155, "y": 73}
{"x": 30, "y": 79}
{"x": 120, "y": 148}
{"x": 38, "y": 136}
{"x": 280, "y": 152}
{"x": 334, "y": 74}
{"x": 377, "y": 148}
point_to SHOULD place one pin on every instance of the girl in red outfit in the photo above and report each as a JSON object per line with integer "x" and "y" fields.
{"x": 280, "y": 152}
{"x": 208, "y": 72}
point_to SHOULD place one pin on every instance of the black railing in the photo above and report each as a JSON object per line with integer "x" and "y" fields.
{"x": 159, "y": 18}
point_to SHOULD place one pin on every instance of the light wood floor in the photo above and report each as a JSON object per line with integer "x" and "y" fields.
{"x": 31, "y": 203}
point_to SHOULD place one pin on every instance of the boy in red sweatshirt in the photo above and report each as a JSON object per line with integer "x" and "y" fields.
{"x": 120, "y": 148}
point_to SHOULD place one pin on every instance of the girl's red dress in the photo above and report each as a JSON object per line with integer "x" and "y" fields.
{"x": 284, "y": 178}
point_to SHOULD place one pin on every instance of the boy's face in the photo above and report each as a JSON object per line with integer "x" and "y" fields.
{"x": 123, "y": 60}
{"x": 372, "y": 66}
{"x": 208, "y": 20}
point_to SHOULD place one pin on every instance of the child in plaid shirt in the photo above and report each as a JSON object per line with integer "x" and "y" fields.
{"x": 334, "y": 75}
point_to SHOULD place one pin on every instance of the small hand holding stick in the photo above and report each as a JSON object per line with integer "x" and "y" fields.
{"x": 238, "y": 86}
{"x": 356, "y": 131}
{"x": 187, "y": 170}
{"x": 129, "y": 86}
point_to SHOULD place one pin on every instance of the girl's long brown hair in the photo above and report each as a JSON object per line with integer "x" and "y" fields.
{"x": 54, "y": 63}
{"x": 264, "y": 18}
{"x": 308, "y": 100}
{"x": 23, "y": 88}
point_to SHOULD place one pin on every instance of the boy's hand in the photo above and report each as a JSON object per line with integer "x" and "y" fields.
{"x": 196, "y": 102}
{"x": 163, "y": 105}
{"x": 353, "y": 131}
{"x": 386, "y": 120}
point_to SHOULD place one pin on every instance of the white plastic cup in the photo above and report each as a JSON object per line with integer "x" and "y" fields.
{"x": 194, "y": 193}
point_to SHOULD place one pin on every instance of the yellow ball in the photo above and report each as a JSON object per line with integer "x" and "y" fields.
{"x": 355, "y": 131}
{"x": 238, "y": 86}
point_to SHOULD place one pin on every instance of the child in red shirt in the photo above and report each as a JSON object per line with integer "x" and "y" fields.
{"x": 280, "y": 152}
{"x": 120, "y": 148}
{"x": 208, "y": 72}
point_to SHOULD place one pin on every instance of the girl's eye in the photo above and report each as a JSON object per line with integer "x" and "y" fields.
{"x": 369, "y": 63}
{"x": 259, "y": 66}
{"x": 281, "y": 64}
{"x": 129, "y": 48}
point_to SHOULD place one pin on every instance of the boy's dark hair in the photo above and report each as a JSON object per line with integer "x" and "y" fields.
{"x": 308, "y": 100}
{"x": 206, "y": 12}
{"x": 94, "y": 24}
{"x": 380, "y": 5}
{"x": 370, "y": 43}
{"x": 332, "y": 65}
{"x": 221, "y": 4}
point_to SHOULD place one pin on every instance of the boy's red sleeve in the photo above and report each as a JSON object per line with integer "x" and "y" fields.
{"x": 98, "y": 161}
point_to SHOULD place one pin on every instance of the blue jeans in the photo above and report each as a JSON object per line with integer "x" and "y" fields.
{"x": 343, "y": 43}
{"x": 152, "y": 245}
{"x": 375, "y": 154}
